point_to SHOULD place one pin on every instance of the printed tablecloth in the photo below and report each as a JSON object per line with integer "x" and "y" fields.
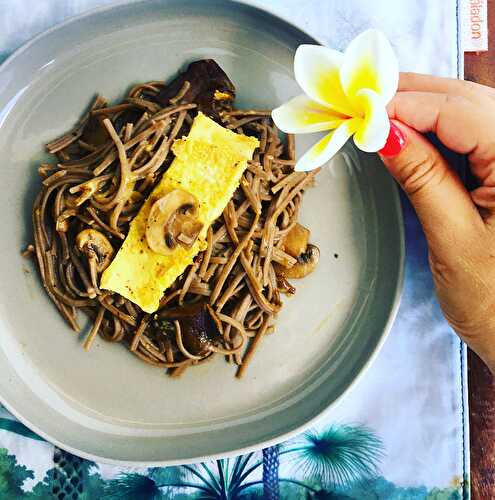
{"x": 401, "y": 433}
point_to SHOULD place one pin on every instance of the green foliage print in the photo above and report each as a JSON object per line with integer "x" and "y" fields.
{"x": 12, "y": 476}
{"x": 340, "y": 462}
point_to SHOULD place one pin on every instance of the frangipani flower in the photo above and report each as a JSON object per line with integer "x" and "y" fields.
{"x": 346, "y": 93}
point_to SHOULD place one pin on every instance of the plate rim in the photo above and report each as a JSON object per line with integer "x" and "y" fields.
{"x": 253, "y": 5}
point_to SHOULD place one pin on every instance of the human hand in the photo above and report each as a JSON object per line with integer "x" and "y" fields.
{"x": 459, "y": 225}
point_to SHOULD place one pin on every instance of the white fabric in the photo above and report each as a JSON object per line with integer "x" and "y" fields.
{"x": 412, "y": 397}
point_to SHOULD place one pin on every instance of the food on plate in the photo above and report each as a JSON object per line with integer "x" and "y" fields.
{"x": 171, "y": 226}
{"x": 171, "y": 220}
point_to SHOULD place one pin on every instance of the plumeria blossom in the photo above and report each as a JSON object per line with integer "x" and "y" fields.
{"x": 345, "y": 93}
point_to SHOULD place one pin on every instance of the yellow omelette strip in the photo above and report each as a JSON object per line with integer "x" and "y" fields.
{"x": 209, "y": 164}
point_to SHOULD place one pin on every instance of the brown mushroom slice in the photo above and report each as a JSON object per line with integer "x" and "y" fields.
{"x": 296, "y": 240}
{"x": 92, "y": 243}
{"x": 173, "y": 221}
{"x": 98, "y": 251}
{"x": 199, "y": 329}
{"x": 306, "y": 264}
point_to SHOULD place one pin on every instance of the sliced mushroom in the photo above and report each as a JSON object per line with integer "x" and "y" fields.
{"x": 296, "y": 240}
{"x": 93, "y": 243}
{"x": 306, "y": 263}
{"x": 173, "y": 220}
{"x": 295, "y": 244}
{"x": 98, "y": 250}
{"x": 198, "y": 327}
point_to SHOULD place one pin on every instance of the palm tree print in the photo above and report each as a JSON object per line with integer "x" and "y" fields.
{"x": 329, "y": 459}
{"x": 70, "y": 474}
{"x": 338, "y": 463}
{"x": 223, "y": 480}
{"x": 132, "y": 486}
{"x": 339, "y": 455}
{"x": 271, "y": 464}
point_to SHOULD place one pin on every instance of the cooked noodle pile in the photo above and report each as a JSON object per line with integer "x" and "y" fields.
{"x": 104, "y": 170}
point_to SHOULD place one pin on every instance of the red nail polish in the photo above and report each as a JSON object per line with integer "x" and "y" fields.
{"x": 396, "y": 141}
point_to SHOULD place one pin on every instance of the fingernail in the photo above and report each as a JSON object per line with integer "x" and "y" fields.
{"x": 396, "y": 141}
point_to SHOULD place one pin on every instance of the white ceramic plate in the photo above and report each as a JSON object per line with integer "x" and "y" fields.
{"x": 109, "y": 406}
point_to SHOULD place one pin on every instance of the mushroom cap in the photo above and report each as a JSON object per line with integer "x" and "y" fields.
{"x": 306, "y": 264}
{"x": 94, "y": 244}
{"x": 296, "y": 240}
{"x": 171, "y": 216}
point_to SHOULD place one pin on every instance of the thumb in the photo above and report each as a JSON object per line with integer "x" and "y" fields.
{"x": 442, "y": 203}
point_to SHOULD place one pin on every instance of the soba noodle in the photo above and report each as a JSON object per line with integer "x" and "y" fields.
{"x": 100, "y": 179}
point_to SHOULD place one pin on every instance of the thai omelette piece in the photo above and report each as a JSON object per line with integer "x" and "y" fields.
{"x": 206, "y": 171}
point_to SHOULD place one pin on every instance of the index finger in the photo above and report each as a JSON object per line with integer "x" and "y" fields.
{"x": 460, "y": 125}
{"x": 428, "y": 83}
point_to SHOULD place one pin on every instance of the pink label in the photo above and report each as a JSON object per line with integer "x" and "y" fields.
{"x": 474, "y": 25}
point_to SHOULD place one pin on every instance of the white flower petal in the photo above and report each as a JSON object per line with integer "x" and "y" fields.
{"x": 327, "y": 147}
{"x": 301, "y": 115}
{"x": 374, "y": 127}
{"x": 316, "y": 70}
{"x": 370, "y": 62}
